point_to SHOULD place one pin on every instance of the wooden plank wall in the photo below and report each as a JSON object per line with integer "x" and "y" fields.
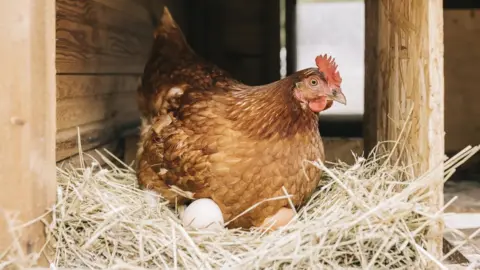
{"x": 102, "y": 47}
{"x": 462, "y": 86}
{"x": 462, "y": 80}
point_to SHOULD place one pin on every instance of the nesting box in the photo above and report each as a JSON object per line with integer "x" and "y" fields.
{"x": 71, "y": 68}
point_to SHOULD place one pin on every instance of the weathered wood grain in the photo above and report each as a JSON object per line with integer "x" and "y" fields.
{"x": 407, "y": 75}
{"x": 27, "y": 123}
{"x": 96, "y": 37}
{"x": 94, "y": 155}
{"x": 102, "y": 36}
{"x": 125, "y": 15}
{"x": 75, "y": 112}
{"x": 102, "y": 47}
{"x": 101, "y": 106}
{"x": 81, "y": 86}
{"x": 97, "y": 122}
{"x": 91, "y": 135}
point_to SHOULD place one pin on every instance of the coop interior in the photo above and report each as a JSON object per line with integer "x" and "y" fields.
{"x": 101, "y": 53}
{"x": 102, "y": 47}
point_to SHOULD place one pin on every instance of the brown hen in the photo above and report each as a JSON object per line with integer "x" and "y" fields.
{"x": 206, "y": 133}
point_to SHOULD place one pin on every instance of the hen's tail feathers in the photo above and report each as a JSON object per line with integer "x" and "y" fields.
{"x": 167, "y": 24}
{"x": 169, "y": 36}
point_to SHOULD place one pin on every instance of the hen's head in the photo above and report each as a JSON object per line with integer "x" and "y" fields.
{"x": 319, "y": 87}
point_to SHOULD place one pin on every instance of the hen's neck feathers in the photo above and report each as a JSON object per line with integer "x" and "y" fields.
{"x": 271, "y": 110}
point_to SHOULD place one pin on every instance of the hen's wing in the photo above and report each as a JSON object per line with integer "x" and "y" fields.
{"x": 179, "y": 147}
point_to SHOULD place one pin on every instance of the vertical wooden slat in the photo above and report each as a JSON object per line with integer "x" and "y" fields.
{"x": 404, "y": 60}
{"x": 291, "y": 35}
{"x": 27, "y": 116}
{"x": 271, "y": 60}
{"x": 371, "y": 73}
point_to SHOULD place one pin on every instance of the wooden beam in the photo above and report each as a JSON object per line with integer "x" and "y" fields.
{"x": 27, "y": 116}
{"x": 404, "y": 60}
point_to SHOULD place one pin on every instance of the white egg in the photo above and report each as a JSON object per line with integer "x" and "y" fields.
{"x": 203, "y": 214}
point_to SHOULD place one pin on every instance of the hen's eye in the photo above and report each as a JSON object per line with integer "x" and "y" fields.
{"x": 313, "y": 82}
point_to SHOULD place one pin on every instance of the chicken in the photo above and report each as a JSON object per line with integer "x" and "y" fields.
{"x": 214, "y": 137}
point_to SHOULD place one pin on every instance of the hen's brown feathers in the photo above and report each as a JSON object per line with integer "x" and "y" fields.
{"x": 236, "y": 147}
{"x": 206, "y": 133}
{"x": 209, "y": 155}
{"x": 266, "y": 111}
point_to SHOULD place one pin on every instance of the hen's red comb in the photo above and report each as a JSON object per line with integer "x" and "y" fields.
{"x": 327, "y": 65}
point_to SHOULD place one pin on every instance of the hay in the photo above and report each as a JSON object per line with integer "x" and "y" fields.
{"x": 369, "y": 215}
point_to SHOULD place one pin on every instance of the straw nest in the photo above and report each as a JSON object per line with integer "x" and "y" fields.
{"x": 372, "y": 214}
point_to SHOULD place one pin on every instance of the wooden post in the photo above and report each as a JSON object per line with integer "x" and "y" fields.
{"x": 404, "y": 70}
{"x": 27, "y": 116}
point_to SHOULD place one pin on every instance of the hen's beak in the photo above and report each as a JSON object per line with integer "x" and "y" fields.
{"x": 338, "y": 96}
